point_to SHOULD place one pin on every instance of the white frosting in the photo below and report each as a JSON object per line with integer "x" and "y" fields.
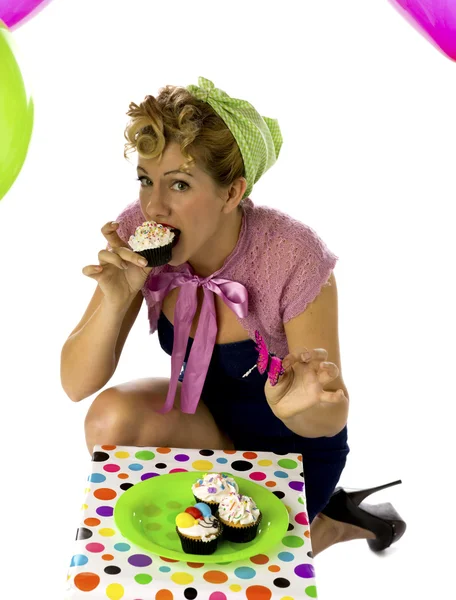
{"x": 206, "y": 529}
{"x": 213, "y": 487}
{"x": 150, "y": 235}
{"x": 238, "y": 509}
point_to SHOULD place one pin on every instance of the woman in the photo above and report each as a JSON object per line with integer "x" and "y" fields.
{"x": 236, "y": 268}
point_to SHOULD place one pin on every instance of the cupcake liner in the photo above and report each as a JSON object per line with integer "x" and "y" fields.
{"x": 156, "y": 257}
{"x": 191, "y": 546}
{"x": 240, "y": 534}
{"x": 212, "y": 505}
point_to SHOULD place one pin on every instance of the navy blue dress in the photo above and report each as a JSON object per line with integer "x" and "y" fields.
{"x": 240, "y": 409}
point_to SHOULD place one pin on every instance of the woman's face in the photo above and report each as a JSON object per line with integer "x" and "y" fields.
{"x": 188, "y": 199}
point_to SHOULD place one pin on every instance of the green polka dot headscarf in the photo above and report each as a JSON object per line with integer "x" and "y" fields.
{"x": 259, "y": 138}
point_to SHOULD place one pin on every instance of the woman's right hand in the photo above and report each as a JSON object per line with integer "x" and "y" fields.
{"x": 121, "y": 273}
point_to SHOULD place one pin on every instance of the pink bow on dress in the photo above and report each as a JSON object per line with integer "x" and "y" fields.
{"x": 232, "y": 293}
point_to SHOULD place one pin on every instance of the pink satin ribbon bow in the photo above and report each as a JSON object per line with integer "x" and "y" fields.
{"x": 232, "y": 293}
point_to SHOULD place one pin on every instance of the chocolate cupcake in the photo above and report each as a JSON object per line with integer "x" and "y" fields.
{"x": 155, "y": 242}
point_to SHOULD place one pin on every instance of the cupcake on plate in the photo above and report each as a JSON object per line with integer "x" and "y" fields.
{"x": 155, "y": 242}
{"x": 199, "y": 531}
{"x": 240, "y": 517}
{"x": 212, "y": 488}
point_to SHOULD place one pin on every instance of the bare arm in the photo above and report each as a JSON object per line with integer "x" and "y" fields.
{"x": 91, "y": 353}
{"x": 317, "y": 327}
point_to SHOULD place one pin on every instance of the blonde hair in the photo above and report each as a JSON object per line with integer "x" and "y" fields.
{"x": 177, "y": 116}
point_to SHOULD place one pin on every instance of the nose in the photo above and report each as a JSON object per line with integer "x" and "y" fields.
{"x": 156, "y": 204}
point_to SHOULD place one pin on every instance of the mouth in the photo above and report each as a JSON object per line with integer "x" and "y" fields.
{"x": 177, "y": 235}
{"x": 176, "y": 232}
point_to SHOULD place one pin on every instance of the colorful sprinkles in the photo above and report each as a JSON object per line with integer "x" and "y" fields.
{"x": 151, "y": 235}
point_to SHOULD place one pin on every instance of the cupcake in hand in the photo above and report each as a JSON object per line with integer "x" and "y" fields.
{"x": 240, "y": 517}
{"x": 212, "y": 488}
{"x": 199, "y": 531}
{"x": 155, "y": 242}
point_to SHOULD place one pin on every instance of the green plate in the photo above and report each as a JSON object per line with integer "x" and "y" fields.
{"x": 145, "y": 514}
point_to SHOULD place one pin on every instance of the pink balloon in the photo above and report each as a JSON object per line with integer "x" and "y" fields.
{"x": 434, "y": 19}
{"x": 16, "y": 12}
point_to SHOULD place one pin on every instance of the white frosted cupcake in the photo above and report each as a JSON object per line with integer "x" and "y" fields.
{"x": 240, "y": 517}
{"x": 155, "y": 242}
{"x": 212, "y": 488}
{"x": 199, "y": 531}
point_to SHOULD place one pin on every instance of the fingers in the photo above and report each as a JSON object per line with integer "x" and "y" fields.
{"x": 107, "y": 257}
{"x": 333, "y": 397}
{"x": 121, "y": 258}
{"x": 326, "y": 371}
{"x": 304, "y": 355}
{"x": 315, "y": 354}
{"x": 114, "y": 257}
{"x": 131, "y": 257}
{"x": 93, "y": 271}
{"x": 109, "y": 230}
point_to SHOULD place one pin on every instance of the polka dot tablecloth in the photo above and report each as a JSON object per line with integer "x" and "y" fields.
{"x": 106, "y": 565}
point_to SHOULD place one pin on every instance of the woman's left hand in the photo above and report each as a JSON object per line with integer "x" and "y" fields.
{"x": 301, "y": 386}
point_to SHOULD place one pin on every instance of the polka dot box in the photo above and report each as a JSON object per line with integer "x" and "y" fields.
{"x": 105, "y": 565}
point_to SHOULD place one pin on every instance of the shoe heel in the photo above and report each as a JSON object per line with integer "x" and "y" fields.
{"x": 398, "y": 527}
{"x": 358, "y": 496}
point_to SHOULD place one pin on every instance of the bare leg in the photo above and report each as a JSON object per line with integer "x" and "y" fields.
{"x": 126, "y": 414}
{"x": 325, "y": 532}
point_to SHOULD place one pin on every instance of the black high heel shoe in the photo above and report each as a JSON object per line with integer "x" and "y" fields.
{"x": 382, "y": 519}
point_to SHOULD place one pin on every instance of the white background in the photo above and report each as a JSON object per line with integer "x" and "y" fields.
{"x": 367, "y": 110}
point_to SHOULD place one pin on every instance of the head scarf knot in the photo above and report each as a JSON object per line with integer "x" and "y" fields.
{"x": 259, "y": 138}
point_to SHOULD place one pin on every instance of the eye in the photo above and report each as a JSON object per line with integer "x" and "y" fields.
{"x": 183, "y": 183}
{"x": 141, "y": 180}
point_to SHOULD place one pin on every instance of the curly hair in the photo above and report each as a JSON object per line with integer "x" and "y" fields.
{"x": 175, "y": 115}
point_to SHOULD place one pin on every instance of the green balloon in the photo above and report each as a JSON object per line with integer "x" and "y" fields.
{"x": 16, "y": 113}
